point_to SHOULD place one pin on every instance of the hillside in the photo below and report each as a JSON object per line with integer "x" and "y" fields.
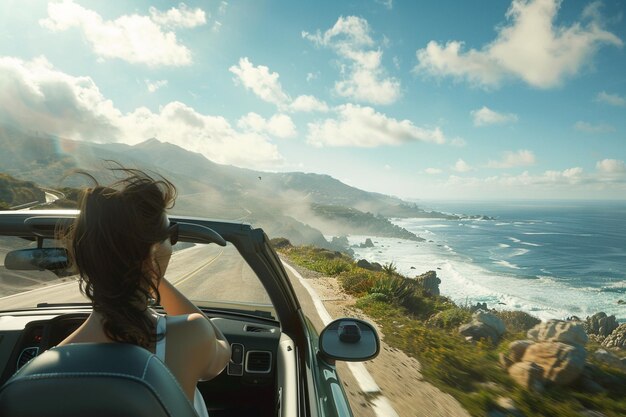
{"x": 14, "y": 192}
{"x": 283, "y": 204}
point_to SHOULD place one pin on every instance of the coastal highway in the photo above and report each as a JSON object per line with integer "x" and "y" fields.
{"x": 204, "y": 272}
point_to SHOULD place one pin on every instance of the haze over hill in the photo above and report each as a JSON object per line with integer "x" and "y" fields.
{"x": 296, "y": 205}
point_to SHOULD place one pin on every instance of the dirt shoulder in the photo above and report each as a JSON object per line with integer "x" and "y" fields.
{"x": 397, "y": 374}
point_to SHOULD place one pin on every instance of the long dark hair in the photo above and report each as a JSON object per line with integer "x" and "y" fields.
{"x": 110, "y": 245}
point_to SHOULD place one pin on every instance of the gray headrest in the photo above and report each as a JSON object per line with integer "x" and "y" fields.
{"x": 94, "y": 379}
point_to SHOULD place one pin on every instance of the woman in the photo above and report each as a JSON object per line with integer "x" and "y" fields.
{"x": 121, "y": 244}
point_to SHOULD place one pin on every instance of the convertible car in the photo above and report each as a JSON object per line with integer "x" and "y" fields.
{"x": 280, "y": 365}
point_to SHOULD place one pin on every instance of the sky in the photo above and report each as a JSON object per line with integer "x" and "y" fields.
{"x": 429, "y": 99}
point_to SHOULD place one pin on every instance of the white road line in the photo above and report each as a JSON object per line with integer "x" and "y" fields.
{"x": 382, "y": 407}
{"x": 38, "y": 289}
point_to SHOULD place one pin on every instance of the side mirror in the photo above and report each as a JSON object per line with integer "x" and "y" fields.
{"x": 37, "y": 259}
{"x": 350, "y": 340}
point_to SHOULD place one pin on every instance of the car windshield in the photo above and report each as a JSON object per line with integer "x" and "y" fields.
{"x": 211, "y": 276}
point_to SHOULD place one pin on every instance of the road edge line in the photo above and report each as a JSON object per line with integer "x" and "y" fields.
{"x": 381, "y": 405}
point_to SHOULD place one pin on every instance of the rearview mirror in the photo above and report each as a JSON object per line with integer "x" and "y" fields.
{"x": 37, "y": 259}
{"x": 351, "y": 340}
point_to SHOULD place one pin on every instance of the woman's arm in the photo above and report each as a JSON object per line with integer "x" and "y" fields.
{"x": 176, "y": 304}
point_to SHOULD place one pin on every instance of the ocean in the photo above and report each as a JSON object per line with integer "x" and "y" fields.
{"x": 551, "y": 259}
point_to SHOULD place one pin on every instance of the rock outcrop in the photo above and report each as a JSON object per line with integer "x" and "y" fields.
{"x": 373, "y": 266}
{"x": 484, "y": 325}
{"x": 429, "y": 282}
{"x": 568, "y": 332}
{"x": 600, "y": 324}
{"x": 553, "y": 354}
{"x": 367, "y": 244}
{"x": 617, "y": 339}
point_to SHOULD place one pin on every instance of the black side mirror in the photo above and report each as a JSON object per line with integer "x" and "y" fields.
{"x": 350, "y": 340}
{"x": 37, "y": 259}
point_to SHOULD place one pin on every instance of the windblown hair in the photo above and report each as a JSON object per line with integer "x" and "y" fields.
{"x": 110, "y": 243}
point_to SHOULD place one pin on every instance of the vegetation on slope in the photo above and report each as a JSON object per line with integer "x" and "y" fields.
{"x": 425, "y": 327}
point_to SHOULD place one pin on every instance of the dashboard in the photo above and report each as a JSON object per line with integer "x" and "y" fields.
{"x": 246, "y": 387}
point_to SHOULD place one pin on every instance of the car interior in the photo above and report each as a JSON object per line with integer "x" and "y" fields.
{"x": 261, "y": 378}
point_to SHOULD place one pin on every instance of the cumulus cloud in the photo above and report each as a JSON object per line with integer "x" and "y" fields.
{"x": 133, "y": 38}
{"x": 591, "y": 128}
{"x": 279, "y": 125}
{"x": 155, "y": 85}
{"x": 181, "y": 16}
{"x": 462, "y": 166}
{"x": 611, "y": 167}
{"x": 514, "y": 159}
{"x": 261, "y": 81}
{"x": 364, "y": 127}
{"x": 612, "y": 99}
{"x": 307, "y": 103}
{"x": 364, "y": 78}
{"x": 530, "y": 47}
{"x": 37, "y": 96}
{"x": 485, "y": 116}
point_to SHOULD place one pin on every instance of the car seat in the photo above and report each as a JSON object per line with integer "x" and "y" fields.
{"x": 94, "y": 379}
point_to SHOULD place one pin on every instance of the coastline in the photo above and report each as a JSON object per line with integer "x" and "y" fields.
{"x": 467, "y": 282}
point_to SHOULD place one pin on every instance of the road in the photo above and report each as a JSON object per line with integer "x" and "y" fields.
{"x": 206, "y": 272}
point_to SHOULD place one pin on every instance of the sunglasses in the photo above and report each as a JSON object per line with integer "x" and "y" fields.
{"x": 172, "y": 233}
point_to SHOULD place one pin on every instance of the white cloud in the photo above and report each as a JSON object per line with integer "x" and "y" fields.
{"x": 311, "y": 76}
{"x": 530, "y": 47}
{"x": 279, "y": 125}
{"x": 154, "y": 86}
{"x": 387, "y": 167}
{"x": 133, "y": 38}
{"x": 261, "y": 81}
{"x": 485, "y": 116}
{"x": 216, "y": 26}
{"x": 181, "y": 16}
{"x": 590, "y": 128}
{"x": 514, "y": 159}
{"x": 433, "y": 171}
{"x": 364, "y": 76}
{"x": 612, "y": 99}
{"x": 306, "y": 103}
{"x": 462, "y": 166}
{"x": 363, "y": 127}
{"x": 611, "y": 166}
{"x": 39, "y": 97}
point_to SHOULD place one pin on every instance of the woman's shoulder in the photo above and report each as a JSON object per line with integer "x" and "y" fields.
{"x": 191, "y": 327}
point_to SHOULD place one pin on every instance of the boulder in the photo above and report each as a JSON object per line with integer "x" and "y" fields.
{"x": 429, "y": 282}
{"x": 490, "y": 320}
{"x": 341, "y": 241}
{"x": 568, "y": 332}
{"x": 527, "y": 374}
{"x": 374, "y": 266}
{"x": 562, "y": 363}
{"x": 475, "y": 331}
{"x": 600, "y": 324}
{"x": 517, "y": 349}
{"x": 617, "y": 339}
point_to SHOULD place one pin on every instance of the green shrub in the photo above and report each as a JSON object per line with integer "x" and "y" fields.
{"x": 517, "y": 321}
{"x": 450, "y": 318}
{"x": 357, "y": 281}
{"x": 390, "y": 268}
{"x": 395, "y": 288}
